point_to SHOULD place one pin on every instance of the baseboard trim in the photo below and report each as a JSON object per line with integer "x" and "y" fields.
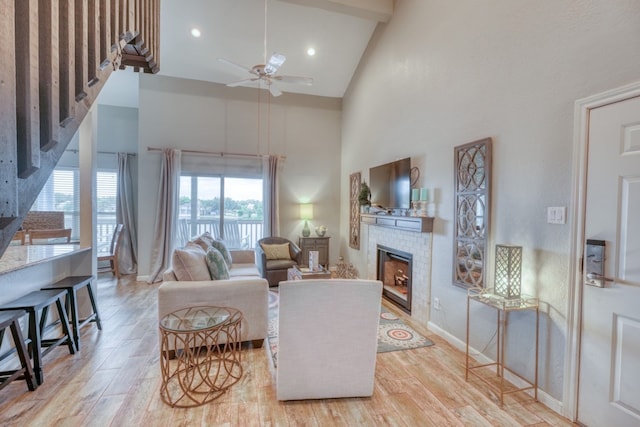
{"x": 142, "y": 278}
{"x": 544, "y": 398}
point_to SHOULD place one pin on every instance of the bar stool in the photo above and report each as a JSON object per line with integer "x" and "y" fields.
{"x": 10, "y": 319}
{"x": 34, "y": 303}
{"x": 72, "y": 284}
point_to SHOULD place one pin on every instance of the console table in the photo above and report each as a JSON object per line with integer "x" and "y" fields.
{"x": 503, "y": 307}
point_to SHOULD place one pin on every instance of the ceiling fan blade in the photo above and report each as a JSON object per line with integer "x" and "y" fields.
{"x": 294, "y": 79}
{"x": 242, "y": 82}
{"x": 276, "y": 60}
{"x": 237, "y": 66}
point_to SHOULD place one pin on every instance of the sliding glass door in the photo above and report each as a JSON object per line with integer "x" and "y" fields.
{"x": 230, "y": 208}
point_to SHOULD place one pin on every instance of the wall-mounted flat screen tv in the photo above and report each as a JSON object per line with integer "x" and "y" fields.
{"x": 391, "y": 184}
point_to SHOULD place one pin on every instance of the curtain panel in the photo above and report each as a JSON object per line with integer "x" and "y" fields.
{"x": 165, "y": 229}
{"x": 270, "y": 182}
{"x": 128, "y": 248}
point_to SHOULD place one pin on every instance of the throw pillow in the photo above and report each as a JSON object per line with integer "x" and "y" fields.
{"x": 276, "y": 251}
{"x": 204, "y": 240}
{"x": 216, "y": 264}
{"x": 219, "y": 245}
{"x": 189, "y": 263}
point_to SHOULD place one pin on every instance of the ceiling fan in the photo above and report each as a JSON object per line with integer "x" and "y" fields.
{"x": 267, "y": 73}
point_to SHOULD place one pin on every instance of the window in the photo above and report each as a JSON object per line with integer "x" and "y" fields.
{"x": 106, "y": 192}
{"x": 60, "y": 193}
{"x": 230, "y": 208}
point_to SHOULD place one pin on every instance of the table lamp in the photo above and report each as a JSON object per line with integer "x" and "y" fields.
{"x": 306, "y": 213}
{"x": 508, "y": 271}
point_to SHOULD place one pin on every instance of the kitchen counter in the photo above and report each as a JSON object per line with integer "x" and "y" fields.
{"x": 19, "y": 257}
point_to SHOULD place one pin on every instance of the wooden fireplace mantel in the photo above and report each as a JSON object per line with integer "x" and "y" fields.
{"x": 419, "y": 224}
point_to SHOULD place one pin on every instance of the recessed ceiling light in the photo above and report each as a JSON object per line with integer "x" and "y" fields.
{"x": 195, "y": 32}
{"x": 311, "y": 51}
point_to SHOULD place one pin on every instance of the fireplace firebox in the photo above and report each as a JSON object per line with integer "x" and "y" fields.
{"x": 394, "y": 271}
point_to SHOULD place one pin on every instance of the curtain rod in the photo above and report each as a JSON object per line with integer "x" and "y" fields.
{"x": 75, "y": 151}
{"x": 220, "y": 153}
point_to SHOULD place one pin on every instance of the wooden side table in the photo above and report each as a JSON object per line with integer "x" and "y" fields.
{"x": 503, "y": 307}
{"x": 320, "y": 244}
{"x": 199, "y": 354}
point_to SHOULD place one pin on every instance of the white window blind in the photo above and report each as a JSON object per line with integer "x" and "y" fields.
{"x": 106, "y": 193}
{"x": 60, "y": 193}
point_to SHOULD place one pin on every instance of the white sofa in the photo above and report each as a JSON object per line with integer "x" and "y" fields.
{"x": 327, "y": 338}
{"x": 245, "y": 290}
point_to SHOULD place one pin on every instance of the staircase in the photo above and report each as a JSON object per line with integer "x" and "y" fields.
{"x": 56, "y": 57}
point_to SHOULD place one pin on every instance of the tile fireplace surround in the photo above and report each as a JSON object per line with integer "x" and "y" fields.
{"x": 415, "y": 243}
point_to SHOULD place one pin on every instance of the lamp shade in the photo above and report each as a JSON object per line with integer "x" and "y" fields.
{"x": 306, "y": 211}
{"x": 508, "y": 271}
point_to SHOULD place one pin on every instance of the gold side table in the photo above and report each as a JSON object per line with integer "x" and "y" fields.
{"x": 199, "y": 355}
{"x": 503, "y": 307}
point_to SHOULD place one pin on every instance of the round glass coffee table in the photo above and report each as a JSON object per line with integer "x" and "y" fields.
{"x": 199, "y": 354}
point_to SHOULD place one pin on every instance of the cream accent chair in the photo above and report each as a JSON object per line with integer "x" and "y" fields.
{"x": 327, "y": 338}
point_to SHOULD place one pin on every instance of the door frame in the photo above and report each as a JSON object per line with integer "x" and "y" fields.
{"x": 582, "y": 109}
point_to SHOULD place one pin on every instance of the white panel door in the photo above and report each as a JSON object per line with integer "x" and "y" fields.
{"x": 609, "y": 390}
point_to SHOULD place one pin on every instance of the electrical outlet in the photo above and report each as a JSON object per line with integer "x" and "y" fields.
{"x": 436, "y": 303}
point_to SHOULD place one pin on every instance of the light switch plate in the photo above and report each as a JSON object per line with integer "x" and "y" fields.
{"x": 557, "y": 215}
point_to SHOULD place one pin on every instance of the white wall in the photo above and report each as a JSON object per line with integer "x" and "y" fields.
{"x": 117, "y": 132}
{"x": 441, "y": 74}
{"x": 195, "y": 115}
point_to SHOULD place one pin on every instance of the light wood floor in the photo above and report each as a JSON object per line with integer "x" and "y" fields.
{"x": 115, "y": 380}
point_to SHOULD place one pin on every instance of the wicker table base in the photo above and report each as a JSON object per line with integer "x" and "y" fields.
{"x": 200, "y": 354}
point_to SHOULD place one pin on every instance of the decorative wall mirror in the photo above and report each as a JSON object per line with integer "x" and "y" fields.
{"x": 472, "y": 205}
{"x": 354, "y": 211}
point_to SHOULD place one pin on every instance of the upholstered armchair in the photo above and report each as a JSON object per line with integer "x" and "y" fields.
{"x": 327, "y": 338}
{"x": 275, "y": 255}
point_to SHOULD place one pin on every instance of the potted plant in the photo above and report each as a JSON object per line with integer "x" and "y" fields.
{"x": 363, "y": 197}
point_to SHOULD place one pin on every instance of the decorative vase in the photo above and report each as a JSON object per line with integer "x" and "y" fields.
{"x": 321, "y": 230}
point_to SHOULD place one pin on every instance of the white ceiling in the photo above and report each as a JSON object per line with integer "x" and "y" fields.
{"x": 339, "y": 30}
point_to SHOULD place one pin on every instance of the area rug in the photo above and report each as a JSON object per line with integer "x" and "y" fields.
{"x": 393, "y": 333}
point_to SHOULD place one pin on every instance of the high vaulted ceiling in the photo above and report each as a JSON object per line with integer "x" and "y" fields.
{"x": 339, "y": 31}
